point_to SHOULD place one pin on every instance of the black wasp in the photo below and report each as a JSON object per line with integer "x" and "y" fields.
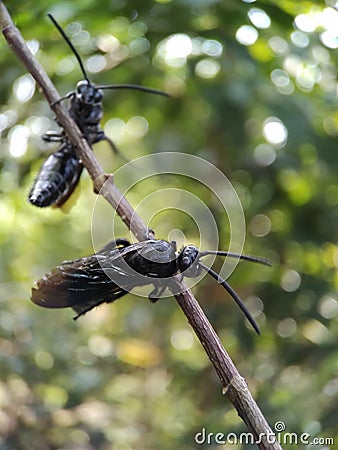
{"x": 85, "y": 283}
{"x": 59, "y": 175}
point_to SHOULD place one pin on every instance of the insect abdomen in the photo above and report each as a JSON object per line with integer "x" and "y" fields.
{"x": 56, "y": 179}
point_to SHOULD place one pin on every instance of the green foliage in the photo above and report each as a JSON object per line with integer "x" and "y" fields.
{"x": 260, "y": 103}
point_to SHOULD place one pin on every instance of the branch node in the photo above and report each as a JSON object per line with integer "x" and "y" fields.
{"x": 237, "y": 383}
{"x": 101, "y": 180}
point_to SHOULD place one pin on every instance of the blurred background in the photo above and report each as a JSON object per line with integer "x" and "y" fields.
{"x": 254, "y": 92}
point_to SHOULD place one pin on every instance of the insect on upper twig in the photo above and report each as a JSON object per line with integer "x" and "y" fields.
{"x": 60, "y": 174}
{"x": 85, "y": 283}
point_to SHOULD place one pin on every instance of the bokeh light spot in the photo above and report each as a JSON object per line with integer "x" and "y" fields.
{"x": 182, "y": 339}
{"x": 207, "y": 68}
{"x": 24, "y": 88}
{"x": 260, "y": 225}
{"x": 259, "y": 18}
{"x": 328, "y": 307}
{"x": 246, "y": 35}
{"x": 286, "y": 327}
{"x": 290, "y": 281}
{"x": 275, "y": 132}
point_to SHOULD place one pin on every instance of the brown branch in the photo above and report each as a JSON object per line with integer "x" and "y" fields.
{"x": 234, "y": 386}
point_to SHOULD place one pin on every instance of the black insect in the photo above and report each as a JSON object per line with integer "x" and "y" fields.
{"x": 57, "y": 178}
{"x": 119, "y": 267}
{"x": 54, "y": 183}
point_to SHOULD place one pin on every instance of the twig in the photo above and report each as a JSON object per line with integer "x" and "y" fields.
{"x": 234, "y": 386}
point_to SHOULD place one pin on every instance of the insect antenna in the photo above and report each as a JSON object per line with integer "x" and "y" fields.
{"x": 66, "y": 38}
{"x": 135, "y": 87}
{"x": 118, "y": 86}
{"x": 255, "y": 259}
{"x": 233, "y": 294}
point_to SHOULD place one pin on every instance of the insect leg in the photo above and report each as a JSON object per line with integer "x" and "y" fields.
{"x": 156, "y": 293}
{"x": 112, "y": 245}
{"x": 117, "y": 152}
{"x": 67, "y": 96}
{"x": 53, "y": 136}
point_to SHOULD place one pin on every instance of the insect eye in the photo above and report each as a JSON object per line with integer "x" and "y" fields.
{"x": 81, "y": 86}
{"x": 186, "y": 262}
{"x": 188, "y": 257}
{"x": 190, "y": 268}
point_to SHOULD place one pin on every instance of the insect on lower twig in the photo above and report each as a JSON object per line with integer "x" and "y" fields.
{"x": 59, "y": 175}
{"x": 119, "y": 267}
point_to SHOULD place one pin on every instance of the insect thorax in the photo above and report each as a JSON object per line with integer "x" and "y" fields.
{"x": 156, "y": 259}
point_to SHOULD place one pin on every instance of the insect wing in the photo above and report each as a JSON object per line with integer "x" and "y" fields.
{"x": 72, "y": 282}
{"x": 87, "y": 282}
{"x": 112, "y": 245}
